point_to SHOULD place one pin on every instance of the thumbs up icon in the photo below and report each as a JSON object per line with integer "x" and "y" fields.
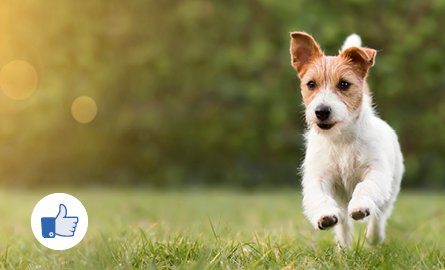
{"x": 61, "y": 225}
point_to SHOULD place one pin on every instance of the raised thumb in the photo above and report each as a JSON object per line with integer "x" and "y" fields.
{"x": 62, "y": 211}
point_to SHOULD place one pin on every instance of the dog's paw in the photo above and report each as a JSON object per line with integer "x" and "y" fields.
{"x": 326, "y": 222}
{"x": 359, "y": 213}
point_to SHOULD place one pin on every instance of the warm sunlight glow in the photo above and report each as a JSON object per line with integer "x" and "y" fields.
{"x": 18, "y": 79}
{"x": 84, "y": 109}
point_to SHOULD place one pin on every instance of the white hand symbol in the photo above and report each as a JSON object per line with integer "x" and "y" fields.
{"x": 65, "y": 226}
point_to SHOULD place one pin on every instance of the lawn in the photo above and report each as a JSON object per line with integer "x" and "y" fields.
{"x": 218, "y": 229}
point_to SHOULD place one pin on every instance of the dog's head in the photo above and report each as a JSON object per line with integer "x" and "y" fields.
{"x": 332, "y": 86}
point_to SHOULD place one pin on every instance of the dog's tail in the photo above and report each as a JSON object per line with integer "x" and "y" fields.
{"x": 352, "y": 40}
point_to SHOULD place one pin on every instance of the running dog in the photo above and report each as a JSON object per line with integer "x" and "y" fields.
{"x": 353, "y": 165}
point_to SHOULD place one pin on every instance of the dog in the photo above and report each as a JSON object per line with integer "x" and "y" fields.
{"x": 353, "y": 165}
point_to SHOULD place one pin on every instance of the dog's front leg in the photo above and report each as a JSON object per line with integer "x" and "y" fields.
{"x": 319, "y": 206}
{"x": 370, "y": 195}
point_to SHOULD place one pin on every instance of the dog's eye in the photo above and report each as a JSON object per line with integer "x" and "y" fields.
{"x": 344, "y": 85}
{"x": 311, "y": 85}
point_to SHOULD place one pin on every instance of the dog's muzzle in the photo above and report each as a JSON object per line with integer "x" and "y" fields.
{"x": 323, "y": 113}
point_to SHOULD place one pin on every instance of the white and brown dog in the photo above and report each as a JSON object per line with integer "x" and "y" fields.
{"x": 353, "y": 165}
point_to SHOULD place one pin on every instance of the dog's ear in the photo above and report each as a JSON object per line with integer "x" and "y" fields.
{"x": 303, "y": 50}
{"x": 362, "y": 58}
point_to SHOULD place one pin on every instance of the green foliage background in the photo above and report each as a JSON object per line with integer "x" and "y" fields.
{"x": 201, "y": 91}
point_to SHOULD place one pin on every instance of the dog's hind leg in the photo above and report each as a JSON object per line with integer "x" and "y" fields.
{"x": 343, "y": 232}
{"x": 375, "y": 232}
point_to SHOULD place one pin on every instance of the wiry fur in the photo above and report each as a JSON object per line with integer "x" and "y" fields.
{"x": 352, "y": 40}
{"x": 355, "y": 167}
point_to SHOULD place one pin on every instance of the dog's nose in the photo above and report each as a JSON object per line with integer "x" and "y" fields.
{"x": 322, "y": 112}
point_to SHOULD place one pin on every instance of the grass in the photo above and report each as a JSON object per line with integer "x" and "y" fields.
{"x": 218, "y": 230}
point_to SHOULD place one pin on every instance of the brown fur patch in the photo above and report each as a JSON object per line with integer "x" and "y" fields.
{"x": 327, "y": 72}
{"x": 362, "y": 58}
{"x": 311, "y": 64}
{"x": 303, "y": 50}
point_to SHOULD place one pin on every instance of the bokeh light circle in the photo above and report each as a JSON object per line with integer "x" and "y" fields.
{"x": 84, "y": 109}
{"x": 18, "y": 79}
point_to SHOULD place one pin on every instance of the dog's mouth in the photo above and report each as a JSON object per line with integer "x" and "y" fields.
{"x": 325, "y": 126}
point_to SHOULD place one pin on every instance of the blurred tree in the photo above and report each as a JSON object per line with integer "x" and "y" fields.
{"x": 202, "y": 91}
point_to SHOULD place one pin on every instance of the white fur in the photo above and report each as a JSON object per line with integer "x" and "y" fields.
{"x": 357, "y": 164}
{"x": 339, "y": 112}
{"x": 352, "y": 40}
